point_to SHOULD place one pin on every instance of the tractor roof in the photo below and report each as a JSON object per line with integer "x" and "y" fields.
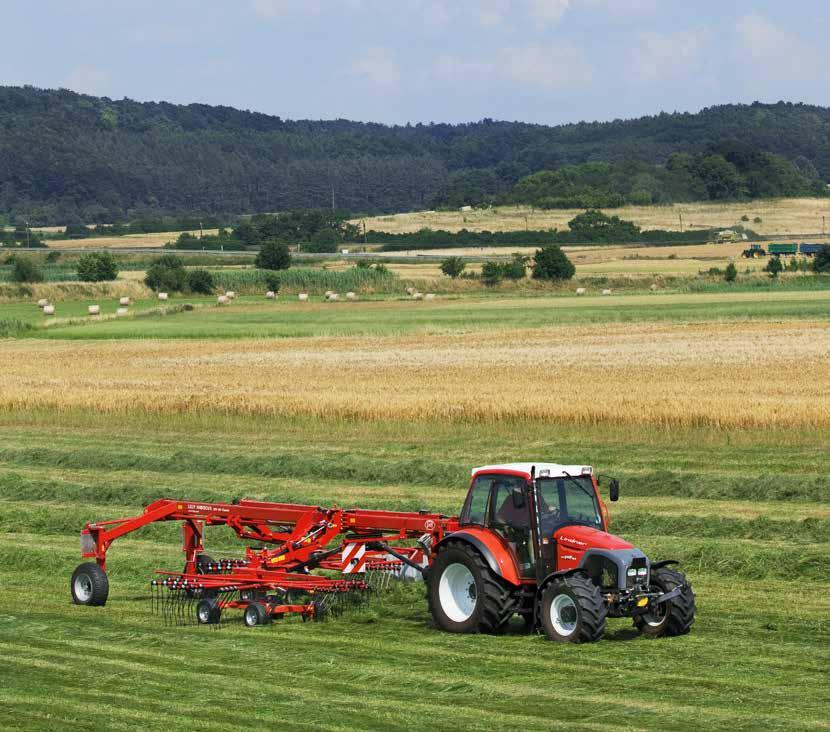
{"x": 553, "y": 469}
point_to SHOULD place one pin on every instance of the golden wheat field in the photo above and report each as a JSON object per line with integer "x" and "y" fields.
{"x": 150, "y": 241}
{"x": 731, "y": 375}
{"x": 779, "y": 217}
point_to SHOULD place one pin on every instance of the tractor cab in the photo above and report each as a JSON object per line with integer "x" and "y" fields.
{"x": 529, "y": 505}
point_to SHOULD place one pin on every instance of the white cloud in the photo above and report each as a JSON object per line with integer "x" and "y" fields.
{"x": 774, "y": 53}
{"x": 543, "y": 66}
{"x": 377, "y": 67}
{"x": 89, "y": 80}
{"x": 660, "y": 56}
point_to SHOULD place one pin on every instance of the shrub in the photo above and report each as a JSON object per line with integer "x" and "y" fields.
{"x": 491, "y": 273}
{"x": 52, "y": 257}
{"x": 774, "y": 266}
{"x": 757, "y": 220}
{"x": 731, "y": 273}
{"x": 167, "y": 274}
{"x": 821, "y": 262}
{"x": 200, "y": 281}
{"x": 273, "y": 255}
{"x": 25, "y": 269}
{"x": 97, "y": 267}
{"x": 515, "y": 268}
{"x": 453, "y": 266}
{"x": 551, "y": 263}
{"x": 272, "y": 281}
{"x": 744, "y": 218}
{"x": 325, "y": 240}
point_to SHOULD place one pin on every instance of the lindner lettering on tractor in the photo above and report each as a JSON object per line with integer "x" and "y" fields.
{"x": 531, "y": 539}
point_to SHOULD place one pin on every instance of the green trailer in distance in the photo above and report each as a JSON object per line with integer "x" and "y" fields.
{"x": 785, "y": 250}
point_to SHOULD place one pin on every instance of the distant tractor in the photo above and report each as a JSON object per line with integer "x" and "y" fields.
{"x": 754, "y": 251}
{"x": 783, "y": 250}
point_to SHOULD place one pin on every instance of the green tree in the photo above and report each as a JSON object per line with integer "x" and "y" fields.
{"x": 25, "y": 269}
{"x": 453, "y": 266}
{"x": 97, "y": 267}
{"x": 515, "y": 269}
{"x": 273, "y": 255}
{"x": 272, "y": 281}
{"x": 551, "y": 263}
{"x": 76, "y": 231}
{"x": 731, "y": 272}
{"x": 774, "y": 266}
{"x": 491, "y": 273}
{"x": 821, "y": 263}
{"x": 200, "y": 281}
{"x": 324, "y": 240}
{"x": 167, "y": 274}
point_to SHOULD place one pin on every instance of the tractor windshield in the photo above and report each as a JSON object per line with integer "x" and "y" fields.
{"x": 563, "y": 501}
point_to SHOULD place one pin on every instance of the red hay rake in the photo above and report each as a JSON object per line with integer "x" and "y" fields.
{"x": 315, "y": 562}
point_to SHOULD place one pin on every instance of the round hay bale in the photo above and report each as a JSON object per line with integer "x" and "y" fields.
{"x": 303, "y": 296}
{"x": 351, "y": 296}
{"x": 328, "y": 294}
{"x": 48, "y": 309}
{"x": 94, "y": 310}
{"x": 270, "y": 295}
{"x": 42, "y": 303}
{"x": 121, "y": 312}
{"x": 334, "y": 296}
{"x": 580, "y": 290}
{"x": 429, "y": 296}
{"x": 124, "y": 301}
{"x": 654, "y": 287}
{"x": 222, "y": 299}
{"x": 162, "y": 296}
{"x": 230, "y": 294}
{"x": 606, "y": 292}
{"x": 418, "y": 296}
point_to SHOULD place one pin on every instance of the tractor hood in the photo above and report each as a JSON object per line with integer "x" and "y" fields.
{"x": 580, "y": 538}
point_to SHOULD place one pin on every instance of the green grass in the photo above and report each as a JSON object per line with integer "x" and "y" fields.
{"x": 745, "y": 512}
{"x": 289, "y": 318}
{"x": 317, "y": 281}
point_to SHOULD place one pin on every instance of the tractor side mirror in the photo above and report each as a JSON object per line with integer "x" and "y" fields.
{"x": 518, "y": 496}
{"x": 614, "y": 490}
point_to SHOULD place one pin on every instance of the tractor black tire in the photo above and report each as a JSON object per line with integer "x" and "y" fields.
{"x": 89, "y": 585}
{"x": 485, "y": 605}
{"x": 208, "y": 612}
{"x": 256, "y": 614}
{"x": 571, "y": 610}
{"x": 677, "y": 616}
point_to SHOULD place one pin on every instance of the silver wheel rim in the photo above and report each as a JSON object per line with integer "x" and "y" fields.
{"x": 204, "y": 613}
{"x": 563, "y": 615}
{"x": 658, "y": 616}
{"x": 83, "y": 587}
{"x": 457, "y": 593}
{"x": 251, "y": 616}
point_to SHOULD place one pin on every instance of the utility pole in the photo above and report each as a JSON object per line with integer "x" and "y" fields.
{"x": 823, "y": 223}
{"x": 364, "y": 231}
{"x": 681, "y": 222}
{"x": 332, "y": 199}
{"x": 201, "y": 233}
{"x": 28, "y": 234}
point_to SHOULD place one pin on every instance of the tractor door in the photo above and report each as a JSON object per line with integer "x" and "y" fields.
{"x": 510, "y": 517}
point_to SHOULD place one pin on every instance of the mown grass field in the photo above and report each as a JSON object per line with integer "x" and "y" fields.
{"x": 710, "y": 408}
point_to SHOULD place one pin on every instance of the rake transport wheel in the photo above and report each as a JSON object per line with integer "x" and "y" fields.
{"x": 464, "y": 594}
{"x": 572, "y": 610}
{"x": 89, "y": 585}
{"x": 673, "y": 617}
{"x": 208, "y": 612}
{"x": 256, "y": 614}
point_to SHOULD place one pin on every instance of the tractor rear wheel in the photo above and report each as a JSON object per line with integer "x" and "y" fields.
{"x": 673, "y": 617}
{"x": 89, "y": 585}
{"x": 572, "y": 610}
{"x": 464, "y": 594}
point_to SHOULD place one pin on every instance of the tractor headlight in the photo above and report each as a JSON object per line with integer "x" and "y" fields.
{"x": 642, "y": 572}
{"x": 631, "y": 572}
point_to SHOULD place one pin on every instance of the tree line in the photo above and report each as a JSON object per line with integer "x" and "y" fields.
{"x": 67, "y": 158}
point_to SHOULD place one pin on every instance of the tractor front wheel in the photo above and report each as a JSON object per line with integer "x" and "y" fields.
{"x": 89, "y": 585}
{"x": 464, "y": 594}
{"x": 673, "y": 617}
{"x": 572, "y": 610}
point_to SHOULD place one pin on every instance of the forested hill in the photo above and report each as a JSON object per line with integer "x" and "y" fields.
{"x": 66, "y": 156}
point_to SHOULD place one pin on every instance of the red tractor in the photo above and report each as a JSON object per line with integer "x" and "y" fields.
{"x": 532, "y": 539}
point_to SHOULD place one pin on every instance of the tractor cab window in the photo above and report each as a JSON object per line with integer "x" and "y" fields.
{"x": 563, "y": 501}
{"x": 512, "y": 521}
{"x": 475, "y": 512}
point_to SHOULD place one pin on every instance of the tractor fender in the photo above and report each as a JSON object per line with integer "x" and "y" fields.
{"x": 492, "y": 547}
{"x": 663, "y": 563}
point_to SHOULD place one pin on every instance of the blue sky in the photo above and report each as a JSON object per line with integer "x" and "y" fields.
{"x": 547, "y": 61}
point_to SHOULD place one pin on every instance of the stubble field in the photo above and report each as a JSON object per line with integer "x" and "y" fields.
{"x": 711, "y": 409}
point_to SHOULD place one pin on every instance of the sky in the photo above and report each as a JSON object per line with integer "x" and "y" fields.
{"x": 544, "y": 61}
